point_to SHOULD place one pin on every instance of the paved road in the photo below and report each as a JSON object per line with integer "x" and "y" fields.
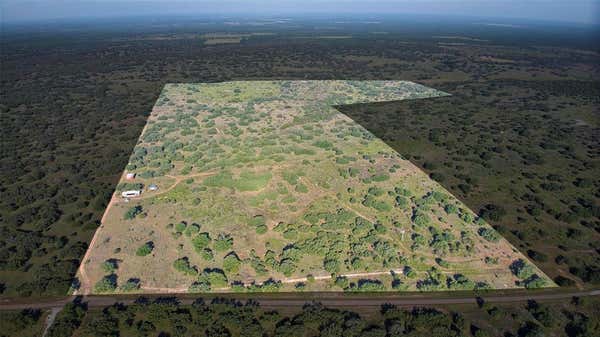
{"x": 293, "y": 300}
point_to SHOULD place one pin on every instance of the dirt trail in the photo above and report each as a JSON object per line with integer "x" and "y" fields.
{"x": 350, "y": 275}
{"x": 178, "y": 179}
{"x": 50, "y": 319}
{"x": 180, "y": 290}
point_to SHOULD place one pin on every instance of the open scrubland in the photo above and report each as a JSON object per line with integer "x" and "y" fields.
{"x": 264, "y": 185}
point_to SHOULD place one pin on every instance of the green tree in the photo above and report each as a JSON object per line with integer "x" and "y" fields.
{"x": 106, "y": 284}
{"x": 200, "y": 242}
{"x": 223, "y": 242}
{"x": 145, "y": 249}
{"x": 231, "y": 263}
{"x": 133, "y": 212}
{"x": 183, "y": 265}
{"x": 331, "y": 265}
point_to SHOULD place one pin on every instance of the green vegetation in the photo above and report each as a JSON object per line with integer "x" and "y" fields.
{"x": 132, "y": 212}
{"x": 201, "y": 241}
{"x": 23, "y": 323}
{"x": 528, "y": 169}
{"x": 213, "y": 278}
{"x": 183, "y": 265}
{"x": 247, "y": 181}
{"x": 231, "y": 263}
{"x": 253, "y": 170}
{"x": 107, "y": 284}
{"x": 488, "y": 234}
{"x": 145, "y": 249}
{"x": 534, "y": 127}
{"x": 130, "y": 285}
{"x": 224, "y": 317}
{"x": 109, "y": 266}
{"x": 223, "y": 242}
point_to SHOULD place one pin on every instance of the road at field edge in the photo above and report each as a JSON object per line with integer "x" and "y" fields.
{"x": 334, "y": 300}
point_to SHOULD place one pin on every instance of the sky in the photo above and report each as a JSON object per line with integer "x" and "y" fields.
{"x": 577, "y": 11}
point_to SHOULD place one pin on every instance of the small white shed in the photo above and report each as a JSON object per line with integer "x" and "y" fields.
{"x": 131, "y": 193}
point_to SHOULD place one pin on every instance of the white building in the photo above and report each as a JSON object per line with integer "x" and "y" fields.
{"x": 130, "y": 194}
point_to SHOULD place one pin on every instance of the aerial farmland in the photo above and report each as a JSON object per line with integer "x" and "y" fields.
{"x": 266, "y": 186}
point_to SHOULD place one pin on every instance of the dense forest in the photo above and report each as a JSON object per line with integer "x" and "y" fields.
{"x": 167, "y": 316}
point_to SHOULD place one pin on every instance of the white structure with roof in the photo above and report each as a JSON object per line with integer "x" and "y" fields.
{"x": 131, "y": 193}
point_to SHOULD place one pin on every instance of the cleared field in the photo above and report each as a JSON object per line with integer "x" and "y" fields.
{"x": 265, "y": 186}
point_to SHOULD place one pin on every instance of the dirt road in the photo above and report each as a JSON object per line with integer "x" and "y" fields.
{"x": 299, "y": 299}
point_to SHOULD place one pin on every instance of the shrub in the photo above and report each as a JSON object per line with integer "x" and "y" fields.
{"x": 292, "y": 177}
{"x": 213, "y": 277}
{"x": 301, "y": 188}
{"x": 192, "y": 229}
{"x": 450, "y": 208}
{"x": 491, "y": 260}
{"x": 492, "y": 212}
{"x": 537, "y": 256}
{"x": 342, "y": 282}
{"x": 437, "y": 176}
{"x": 231, "y": 263}
{"x": 290, "y": 234}
{"x": 131, "y": 285}
{"x": 380, "y": 177}
{"x": 183, "y": 265}
{"x": 106, "y": 284}
{"x": 421, "y": 219}
{"x": 442, "y": 262}
{"x": 109, "y": 266}
{"x": 132, "y": 212}
{"x": 564, "y": 281}
{"x": 376, "y": 191}
{"x": 180, "y": 227}
{"x": 371, "y": 201}
{"x": 466, "y": 216}
{"x": 257, "y": 220}
{"x": 522, "y": 269}
{"x": 370, "y": 285}
{"x": 207, "y": 254}
{"x": 409, "y": 272}
{"x": 199, "y": 287}
{"x": 323, "y": 144}
{"x": 129, "y": 186}
{"x": 287, "y": 267}
{"x": 145, "y": 249}
{"x": 489, "y": 234}
{"x": 534, "y": 281}
{"x": 201, "y": 241}
{"x": 223, "y": 243}
{"x": 401, "y": 201}
{"x": 331, "y": 265}
{"x": 261, "y": 229}
{"x": 356, "y": 263}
